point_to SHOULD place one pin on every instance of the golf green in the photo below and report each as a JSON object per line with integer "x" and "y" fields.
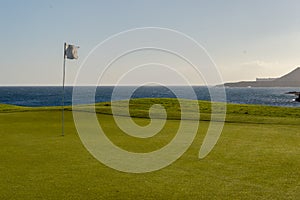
{"x": 256, "y": 157}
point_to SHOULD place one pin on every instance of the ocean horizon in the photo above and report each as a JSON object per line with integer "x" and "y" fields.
{"x": 52, "y": 95}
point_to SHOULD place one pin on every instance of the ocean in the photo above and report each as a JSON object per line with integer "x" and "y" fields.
{"x": 52, "y": 96}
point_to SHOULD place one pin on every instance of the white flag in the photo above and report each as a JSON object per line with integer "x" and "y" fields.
{"x": 71, "y": 51}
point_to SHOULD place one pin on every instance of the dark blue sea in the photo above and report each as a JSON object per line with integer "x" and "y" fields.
{"x": 52, "y": 96}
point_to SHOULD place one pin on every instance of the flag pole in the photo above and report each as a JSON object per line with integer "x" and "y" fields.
{"x": 63, "y": 94}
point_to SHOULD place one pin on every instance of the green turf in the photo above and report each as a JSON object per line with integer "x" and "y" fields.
{"x": 257, "y": 156}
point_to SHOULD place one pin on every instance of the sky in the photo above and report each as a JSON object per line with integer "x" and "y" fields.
{"x": 244, "y": 38}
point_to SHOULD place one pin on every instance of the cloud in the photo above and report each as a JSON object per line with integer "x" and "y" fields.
{"x": 259, "y": 63}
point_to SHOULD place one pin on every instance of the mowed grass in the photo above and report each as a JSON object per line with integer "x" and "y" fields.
{"x": 256, "y": 157}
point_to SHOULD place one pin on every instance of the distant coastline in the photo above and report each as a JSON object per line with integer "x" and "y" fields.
{"x": 292, "y": 79}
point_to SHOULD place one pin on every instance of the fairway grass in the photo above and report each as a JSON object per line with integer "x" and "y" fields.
{"x": 256, "y": 157}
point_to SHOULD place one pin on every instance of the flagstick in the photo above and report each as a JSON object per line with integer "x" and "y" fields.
{"x": 63, "y": 94}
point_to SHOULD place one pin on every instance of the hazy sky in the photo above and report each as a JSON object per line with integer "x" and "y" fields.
{"x": 246, "y": 39}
